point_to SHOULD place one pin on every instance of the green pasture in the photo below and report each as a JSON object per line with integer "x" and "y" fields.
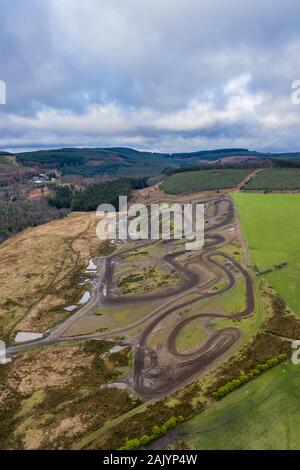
{"x": 271, "y": 227}
{"x": 263, "y": 414}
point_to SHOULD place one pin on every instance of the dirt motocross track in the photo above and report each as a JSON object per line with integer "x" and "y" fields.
{"x": 154, "y": 380}
{"x": 159, "y": 369}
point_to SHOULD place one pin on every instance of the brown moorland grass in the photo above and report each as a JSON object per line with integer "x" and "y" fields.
{"x": 51, "y": 396}
{"x": 40, "y": 269}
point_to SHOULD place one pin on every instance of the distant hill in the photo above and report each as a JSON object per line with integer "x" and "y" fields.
{"x": 6, "y": 154}
{"x": 119, "y": 161}
{"x": 94, "y": 162}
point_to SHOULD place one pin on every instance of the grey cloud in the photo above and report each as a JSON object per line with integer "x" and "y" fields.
{"x": 150, "y": 74}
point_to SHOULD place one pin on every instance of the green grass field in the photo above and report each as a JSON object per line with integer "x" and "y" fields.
{"x": 191, "y": 181}
{"x": 271, "y": 227}
{"x": 191, "y": 336}
{"x": 275, "y": 179}
{"x": 263, "y": 414}
{"x": 231, "y": 302}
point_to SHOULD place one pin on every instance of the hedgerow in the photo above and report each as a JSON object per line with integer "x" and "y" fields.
{"x": 157, "y": 431}
{"x": 244, "y": 378}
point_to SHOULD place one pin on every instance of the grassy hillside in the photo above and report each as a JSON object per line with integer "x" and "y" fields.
{"x": 271, "y": 226}
{"x": 263, "y": 414}
{"x": 203, "y": 180}
{"x": 275, "y": 179}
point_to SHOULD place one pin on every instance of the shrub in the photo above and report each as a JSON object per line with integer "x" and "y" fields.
{"x": 144, "y": 440}
{"x": 133, "y": 444}
{"x": 157, "y": 431}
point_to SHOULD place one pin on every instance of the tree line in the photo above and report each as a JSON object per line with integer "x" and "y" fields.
{"x": 283, "y": 163}
{"x": 89, "y": 198}
{"x": 250, "y": 164}
{"x": 157, "y": 432}
{"x": 18, "y": 215}
{"x": 259, "y": 163}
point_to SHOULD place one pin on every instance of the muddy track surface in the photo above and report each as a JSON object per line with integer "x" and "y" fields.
{"x": 156, "y": 374}
{"x": 150, "y": 383}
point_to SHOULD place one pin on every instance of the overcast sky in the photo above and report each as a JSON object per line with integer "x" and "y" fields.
{"x": 167, "y": 75}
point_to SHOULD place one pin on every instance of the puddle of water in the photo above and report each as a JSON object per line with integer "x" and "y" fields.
{"x": 92, "y": 266}
{"x": 86, "y": 281}
{"x": 85, "y": 298}
{"x": 71, "y": 308}
{"x": 117, "y": 349}
{"x": 23, "y": 337}
{"x": 119, "y": 385}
